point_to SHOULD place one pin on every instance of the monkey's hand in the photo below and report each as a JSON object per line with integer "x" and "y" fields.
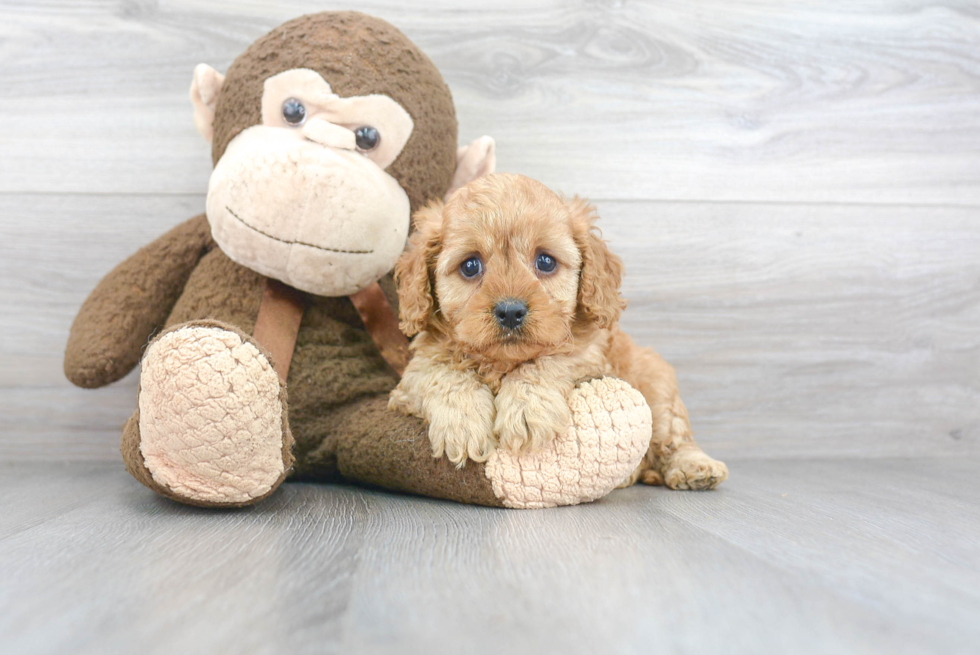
{"x": 131, "y": 303}
{"x": 529, "y": 416}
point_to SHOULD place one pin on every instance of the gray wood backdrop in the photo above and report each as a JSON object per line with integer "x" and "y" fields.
{"x": 794, "y": 187}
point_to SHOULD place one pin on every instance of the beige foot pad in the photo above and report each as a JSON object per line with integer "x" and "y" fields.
{"x": 210, "y": 416}
{"x": 611, "y": 427}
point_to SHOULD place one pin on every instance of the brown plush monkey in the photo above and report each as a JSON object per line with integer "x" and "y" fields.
{"x": 326, "y": 134}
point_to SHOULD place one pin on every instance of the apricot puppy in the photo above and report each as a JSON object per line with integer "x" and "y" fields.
{"x": 514, "y": 299}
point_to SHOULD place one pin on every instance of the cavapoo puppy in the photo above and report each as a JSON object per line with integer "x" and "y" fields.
{"x": 514, "y": 299}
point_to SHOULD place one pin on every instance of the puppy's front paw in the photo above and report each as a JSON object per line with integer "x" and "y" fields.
{"x": 402, "y": 401}
{"x": 529, "y": 418}
{"x": 462, "y": 426}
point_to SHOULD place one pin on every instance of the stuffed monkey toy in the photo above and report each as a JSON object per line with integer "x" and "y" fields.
{"x": 266, "y": 328}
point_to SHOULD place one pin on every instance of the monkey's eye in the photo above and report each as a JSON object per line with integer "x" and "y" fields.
{"x": 471, "y": 268}
{"x": 545, "y": 263}
{"x": 367, "y": 138}
{"x": 293, "y": 112}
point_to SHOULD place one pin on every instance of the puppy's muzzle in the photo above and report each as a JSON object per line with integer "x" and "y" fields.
{"x": 510, "y": 313}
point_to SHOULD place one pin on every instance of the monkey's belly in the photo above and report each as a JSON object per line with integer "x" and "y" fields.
{"x": 333, "y": 366}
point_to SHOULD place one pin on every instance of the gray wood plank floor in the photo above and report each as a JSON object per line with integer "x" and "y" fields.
{"x": 788, "y": 557}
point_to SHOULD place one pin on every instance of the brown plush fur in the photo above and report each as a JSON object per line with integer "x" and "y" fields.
{"x": 184, "y": 277}
{"x": 480, "y": 384}
{"x": 357, "y": 55}
{"x": 130, "y": 304}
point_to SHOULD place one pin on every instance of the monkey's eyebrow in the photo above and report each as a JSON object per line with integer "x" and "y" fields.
{"x": 297, "y": 243}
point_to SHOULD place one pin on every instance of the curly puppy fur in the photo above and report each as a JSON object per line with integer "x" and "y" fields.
{"x": 482, "y": 382}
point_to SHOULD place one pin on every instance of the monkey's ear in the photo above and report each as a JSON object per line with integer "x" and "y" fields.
{"x": 473, "y": 161}
{"x": 205, "y": 89}
{"x": 416, "y": 297}
{"x": 602, "y": 271}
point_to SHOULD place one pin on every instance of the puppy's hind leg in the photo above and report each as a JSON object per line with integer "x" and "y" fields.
{"x": 673, "y": 458}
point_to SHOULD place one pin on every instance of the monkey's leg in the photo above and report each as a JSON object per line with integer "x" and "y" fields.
{"x": 367, "y": 443}
{"x": 673, "y": 458}
{"x": 212, "y": 427}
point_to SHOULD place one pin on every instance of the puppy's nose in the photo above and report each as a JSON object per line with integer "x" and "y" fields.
{"x": 510, "y": 313}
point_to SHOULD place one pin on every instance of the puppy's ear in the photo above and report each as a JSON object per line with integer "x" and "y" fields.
{"x": 416, "y": 298}
{"x": 602, "y": 271}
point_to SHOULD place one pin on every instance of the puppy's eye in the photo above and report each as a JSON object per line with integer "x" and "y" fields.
{"x": 293, "y": 112}
{"x": 471, "y": 267}
{"x": 367, "y": 138}
{"x": 545, "y": 263}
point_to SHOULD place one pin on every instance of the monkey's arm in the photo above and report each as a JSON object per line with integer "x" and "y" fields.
{"x": 131, "y": 303}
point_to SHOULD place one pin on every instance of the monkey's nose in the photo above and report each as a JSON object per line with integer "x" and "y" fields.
{"x": 329, "y": 134}
{"x": 510, "y": 313}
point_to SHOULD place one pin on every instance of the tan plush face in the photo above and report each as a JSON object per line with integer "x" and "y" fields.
{"x": 506, "y": 279}
{"x": 304, "y": 196}
{"x": 326, "y": 133}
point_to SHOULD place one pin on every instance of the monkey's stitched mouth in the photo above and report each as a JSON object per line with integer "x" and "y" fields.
{"x": 298, "y": 243}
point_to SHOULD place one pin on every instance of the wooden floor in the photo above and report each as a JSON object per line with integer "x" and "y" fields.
{"x": 795, "y": 190}
{"x": 789, "y": 557}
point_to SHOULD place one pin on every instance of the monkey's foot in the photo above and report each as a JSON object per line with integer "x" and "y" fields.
{"x": 212, "y": 428}
{"x": 690, "y": 468}
{"x": 609, "y": 434}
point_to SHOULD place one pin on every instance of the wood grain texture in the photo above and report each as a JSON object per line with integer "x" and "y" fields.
{"x": 796, "y": 330}
{"x": 871, "y": 101}
{"x": 785, "y": 558}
